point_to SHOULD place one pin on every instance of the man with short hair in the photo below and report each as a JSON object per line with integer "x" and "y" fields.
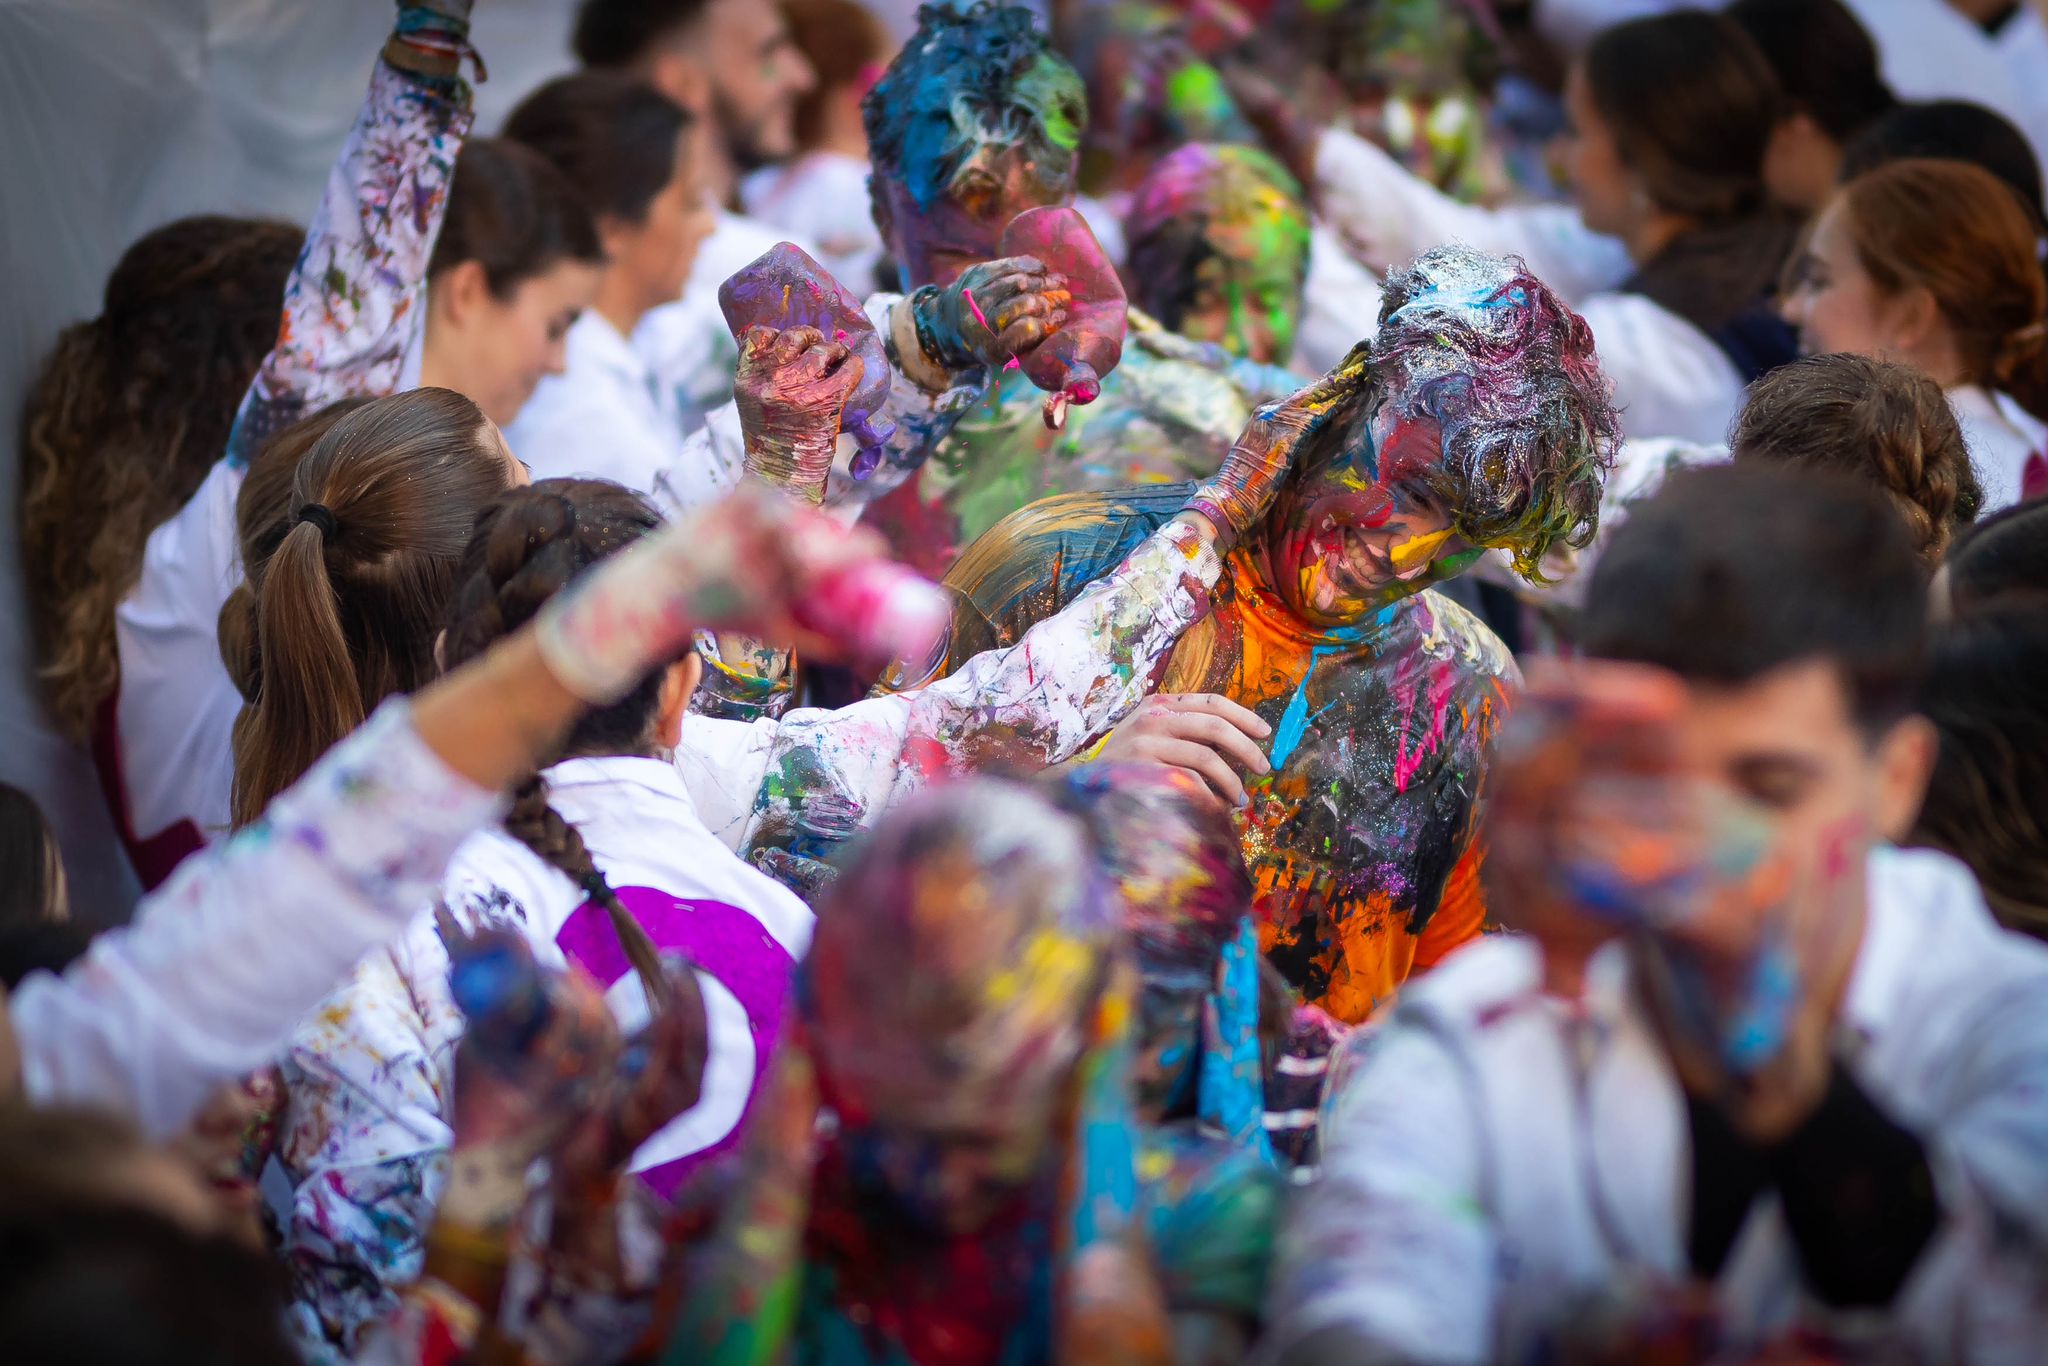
{"x": 1750, "y": 1077}
{"x": 1485, "y": 423}
{"x": 733, "y": 64}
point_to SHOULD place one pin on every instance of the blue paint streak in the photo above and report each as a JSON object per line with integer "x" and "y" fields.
{"x": 1294, "y": 721}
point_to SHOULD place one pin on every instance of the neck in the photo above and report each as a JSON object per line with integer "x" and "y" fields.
{"x": 438, "y": 368}
{"x": 1938, "y": 360}
{"x": 1657, "y": 231}
{"x": 620, "y": 301}
{"x": 721, "y": 172}
{"x": 841, "y": 130}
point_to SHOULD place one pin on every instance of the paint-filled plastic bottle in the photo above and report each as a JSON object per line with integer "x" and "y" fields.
{"x": 498, "y": 987}
{"x": 784, "y": 288}
{"x": 1069, "y": 365}
{"x": 881, "y": 611}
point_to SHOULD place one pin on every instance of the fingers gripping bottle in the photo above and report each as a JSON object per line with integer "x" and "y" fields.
{"x": 783, "y": 288}
{"x": 1069, "y": 364}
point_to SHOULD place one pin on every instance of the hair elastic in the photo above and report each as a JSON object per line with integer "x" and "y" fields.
{"x": 319, "y": 515}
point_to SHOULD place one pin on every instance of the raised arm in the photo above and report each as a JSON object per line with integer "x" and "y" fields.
{"x": 355, "y": 304}
{"x": 250, "y": 934}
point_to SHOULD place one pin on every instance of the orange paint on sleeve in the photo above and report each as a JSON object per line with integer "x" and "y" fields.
{"x": 1460, "y": 914}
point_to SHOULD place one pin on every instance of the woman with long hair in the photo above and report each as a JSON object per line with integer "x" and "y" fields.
{"x": 602, "y": 861}
{"x": 346, "y": 605}
{"x": 1673, "y": 254}
{"x": 411, "y": 274}
{"x": 1936, "y": 264}
{"x": 128, "y": 412}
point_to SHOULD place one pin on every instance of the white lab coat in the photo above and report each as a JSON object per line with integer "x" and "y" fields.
{"x": 370, "y": 1075}
{"x": 1670, "y": 378}
{"x": 2001, "y": 436}
{"x": 223, "y": 961}
{"x": 1926, "y": 51}
{"x": 1497, "y": 1161}
{"x": 604, "y": 417}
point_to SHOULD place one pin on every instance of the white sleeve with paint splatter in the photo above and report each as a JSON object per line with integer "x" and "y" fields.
{"x": 355, "y": 305}
{"x": 816, "y": 776}
{"x": 251, "y": 933}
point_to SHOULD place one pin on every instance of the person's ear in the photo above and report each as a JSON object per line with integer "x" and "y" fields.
{"x": 1914, "y": 317}
{"x": 678, "y": 686}
{"x": 1905, "y": 763}
{"x": 441, "y": 651}
{"x": 613, "y": 235}
{"x": 460, "y": 292}
{"x": 878, "y": 210}
{"x": 678, "y": 75}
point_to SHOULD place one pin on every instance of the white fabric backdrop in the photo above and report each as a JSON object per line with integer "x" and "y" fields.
{"x": 116, "y": 116}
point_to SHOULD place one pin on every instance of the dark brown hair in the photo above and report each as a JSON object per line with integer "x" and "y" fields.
{"x": 347, "y": 605}
{"x": 1987, "y": 802}
{"x": 126, "y": 416}
{"x": 528, "y": 546}
{"x": 612, "y": 135}
{"x": 34, "y": 889}
{"x": 1691, "y": 103}
{"x": 513, "y": 212}
{"x": 1961, "y": 234}
{"x": 1885, "y": 423}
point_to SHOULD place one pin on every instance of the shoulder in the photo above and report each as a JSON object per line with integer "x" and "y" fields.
{"x": 1931, "y": 933}
{"x": 1039, "y": 557}
{"x": 1449, "y": 632}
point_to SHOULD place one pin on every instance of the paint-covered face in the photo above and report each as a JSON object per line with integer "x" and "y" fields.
{"x": 1247, "y": 302}
{"x": 1365, "y": 526}
{"x": 964, "y": 225}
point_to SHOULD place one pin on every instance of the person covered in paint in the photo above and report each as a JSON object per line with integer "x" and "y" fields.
{"x": 980, "y": 1194}
{"x": 944, "y": 191}
{"x": 1220, "y": 1041}
{"x": 602, "y": 863}
{"x": 1485, "y": 422}
{"x": 1753, "y": 1085}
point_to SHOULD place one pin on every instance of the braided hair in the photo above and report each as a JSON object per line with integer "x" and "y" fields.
{"x": 529, "y": 545}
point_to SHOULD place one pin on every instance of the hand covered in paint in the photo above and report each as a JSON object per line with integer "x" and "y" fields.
{"x": 993, "y": 312}
{"x": 538, "y": 1051}
{"x": 791, "y": 390}
{"x": 660, "y": 1075}
{"x": 1204, "y": 734}
{"x": 753, "y": 564}
{"x": 1236, "y": 496}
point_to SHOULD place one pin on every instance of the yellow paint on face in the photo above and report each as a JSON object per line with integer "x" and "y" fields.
{"x": 1405, "y": 555}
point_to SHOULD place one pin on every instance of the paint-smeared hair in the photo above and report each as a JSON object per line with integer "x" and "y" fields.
{"x": 1509, "y": 374}
{"x": 1732, "y": 571}
{"x": 529, "y": 545}
{"x": 982, "y": 75}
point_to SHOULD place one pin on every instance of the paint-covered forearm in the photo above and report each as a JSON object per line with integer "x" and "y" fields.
{"x": 926, "y": 399}
{"x": 825, "y": 774}
{"x": 354, "y": 305}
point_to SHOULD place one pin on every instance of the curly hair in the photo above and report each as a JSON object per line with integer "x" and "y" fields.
{"x": 121, "y": 424}
{"x": 967, "y": 77}
{"x": 1509, "y": 375}
{"x": 528, "y": 546}
{"x": 1884, "y": 423}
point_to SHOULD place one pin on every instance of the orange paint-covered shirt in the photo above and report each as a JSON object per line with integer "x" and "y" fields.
{"x": 1361, "y": 843}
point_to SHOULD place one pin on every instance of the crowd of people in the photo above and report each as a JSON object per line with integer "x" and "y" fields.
{"x": 1294, "y": 681}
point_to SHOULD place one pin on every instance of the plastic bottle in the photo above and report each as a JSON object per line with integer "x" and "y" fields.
{"x": 881, "y": 611}
{"x": 1069, "y": 365}
{"x": 783, "y": 288}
